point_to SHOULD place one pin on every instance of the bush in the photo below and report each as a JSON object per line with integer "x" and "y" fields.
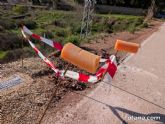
{"x": 1, "y": 29}
{"x": 48, "y": 34}
{"x": 59, "y": 23}
{"x": 144, "y": 25}
{"x": 108, "y": 24}
{"x": 29, "y": 24}
{"x": 13, "y": 55}
{"x": 28, "y": 52}
{"x": 20, "y": 9}
{"x": 119, "y": 26}
{"x": 132, "y": 28}
{"x": 10, "y": 41}
{"x": 73, "y": 39}
{"x": 8, "y": 24}
{"x": 61, "y": 32}
{"x": 60, "y": 39}
{"x": 2, "y": 54}
{"x": 79, "y": 1}
{"x": 138, "y": 21}
{"x": 76, "y": 29}
{"x": 97, "y": 27}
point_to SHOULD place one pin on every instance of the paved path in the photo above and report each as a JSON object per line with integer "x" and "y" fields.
{"x": 138, "y": 90}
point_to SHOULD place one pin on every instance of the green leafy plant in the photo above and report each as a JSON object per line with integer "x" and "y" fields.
{"x": 20, "y": 9}
{"x": 73, "y": 39}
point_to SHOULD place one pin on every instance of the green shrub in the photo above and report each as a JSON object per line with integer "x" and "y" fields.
{"x": 97, "y": 19}
{"x": 2, "y": 54}
{"x": 10, "y": 41}
{"x": 138, "y": 21}
{"x": 59, "y": 23}
{"x": 79, "y": 1}
{"x": 144, "y": 25}
{"x": 20, "y": 9}
{"x": 8, "y": 24}
{"x": 1, "y": 29}
{"x": 119, "y": 26}
{"x": 28, "y": 52}
{"x": 73, "y": 39}
{"x": 61, "y": 32}
{"x": 60, "y": 39}
{"x": 132, "y": 28}
{"x": 13, "y": 55}
{"x": 48, "y": 34}
{"x": 29, "y": 24}
{"x": 76, "y": 29}
{"x": 110, "y": 22}
{"x": 98, "y": 27}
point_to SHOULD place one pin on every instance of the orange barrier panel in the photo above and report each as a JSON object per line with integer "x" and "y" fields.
{"x": 126, "y": 46}
{"x": 80, "y": 58}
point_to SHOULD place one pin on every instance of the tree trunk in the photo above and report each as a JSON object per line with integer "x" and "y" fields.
{"x": 152, "y": 10}
{"x": 54, "y": 3}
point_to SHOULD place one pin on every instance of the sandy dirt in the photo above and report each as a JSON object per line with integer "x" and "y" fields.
{"x": 27, "y": 103}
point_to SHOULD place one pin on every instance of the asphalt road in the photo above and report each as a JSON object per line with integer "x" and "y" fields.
{"x": 135, "y": 96}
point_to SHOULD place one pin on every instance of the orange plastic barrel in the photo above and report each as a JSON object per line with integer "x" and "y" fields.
{"x": 80, "y": 58}
{"x": 127, "y": 46}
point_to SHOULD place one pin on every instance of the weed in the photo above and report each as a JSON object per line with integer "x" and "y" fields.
{"x": 132, "y": 28}
{"x": 2, "y": 54}
{"x": 73, "y": 39}
{"x": 20, "y": 9}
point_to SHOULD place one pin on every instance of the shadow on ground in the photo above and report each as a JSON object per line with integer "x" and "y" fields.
{"x": 115, "y": 110}
{"x": 136, "y": 114}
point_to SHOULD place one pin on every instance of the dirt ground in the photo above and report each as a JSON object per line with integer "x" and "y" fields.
{"x": 38, "y": 96}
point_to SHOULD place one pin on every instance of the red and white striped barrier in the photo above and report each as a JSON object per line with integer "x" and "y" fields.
{"x": 51, "y": 43}
{"x": 108, "y": 69}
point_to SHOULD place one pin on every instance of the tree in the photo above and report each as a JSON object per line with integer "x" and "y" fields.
{"x": 54, "y": 3}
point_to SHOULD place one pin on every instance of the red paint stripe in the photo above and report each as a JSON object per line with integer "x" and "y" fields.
{"x": 49, "y": 64}
{"x": 36, "y": 36}
{"x": 57, "y": 46}
{"x": 112, "y": 69}
{"x": 36, "y": 50}
{"x": 100, "y": 72}
{"x": 83, "y": 77}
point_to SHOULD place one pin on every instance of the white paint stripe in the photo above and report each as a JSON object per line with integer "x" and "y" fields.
{"x": 71, "y": 74}
{"x": 103, "y": 60}
{"x": 113, "y": 59}
{"x": 25, "y": 29}
{"x": 107, "y": 78}
{"x": 92, "y": 79}
{"x": 49, "y": 42}
{"x": 23, "y": 34}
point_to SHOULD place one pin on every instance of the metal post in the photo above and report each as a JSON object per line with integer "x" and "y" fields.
{"x": 89, "y": 7}
{"x": 22, "y": 54}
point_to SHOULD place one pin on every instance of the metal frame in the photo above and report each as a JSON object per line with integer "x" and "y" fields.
{"x": 89, "y": 8}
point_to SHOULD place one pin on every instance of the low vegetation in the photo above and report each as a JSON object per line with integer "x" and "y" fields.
{"x": 61, "y": 26}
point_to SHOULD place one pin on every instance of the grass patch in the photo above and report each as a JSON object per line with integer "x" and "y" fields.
{"x": 65, "y": 26}
{"x": 2, "y": 54}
